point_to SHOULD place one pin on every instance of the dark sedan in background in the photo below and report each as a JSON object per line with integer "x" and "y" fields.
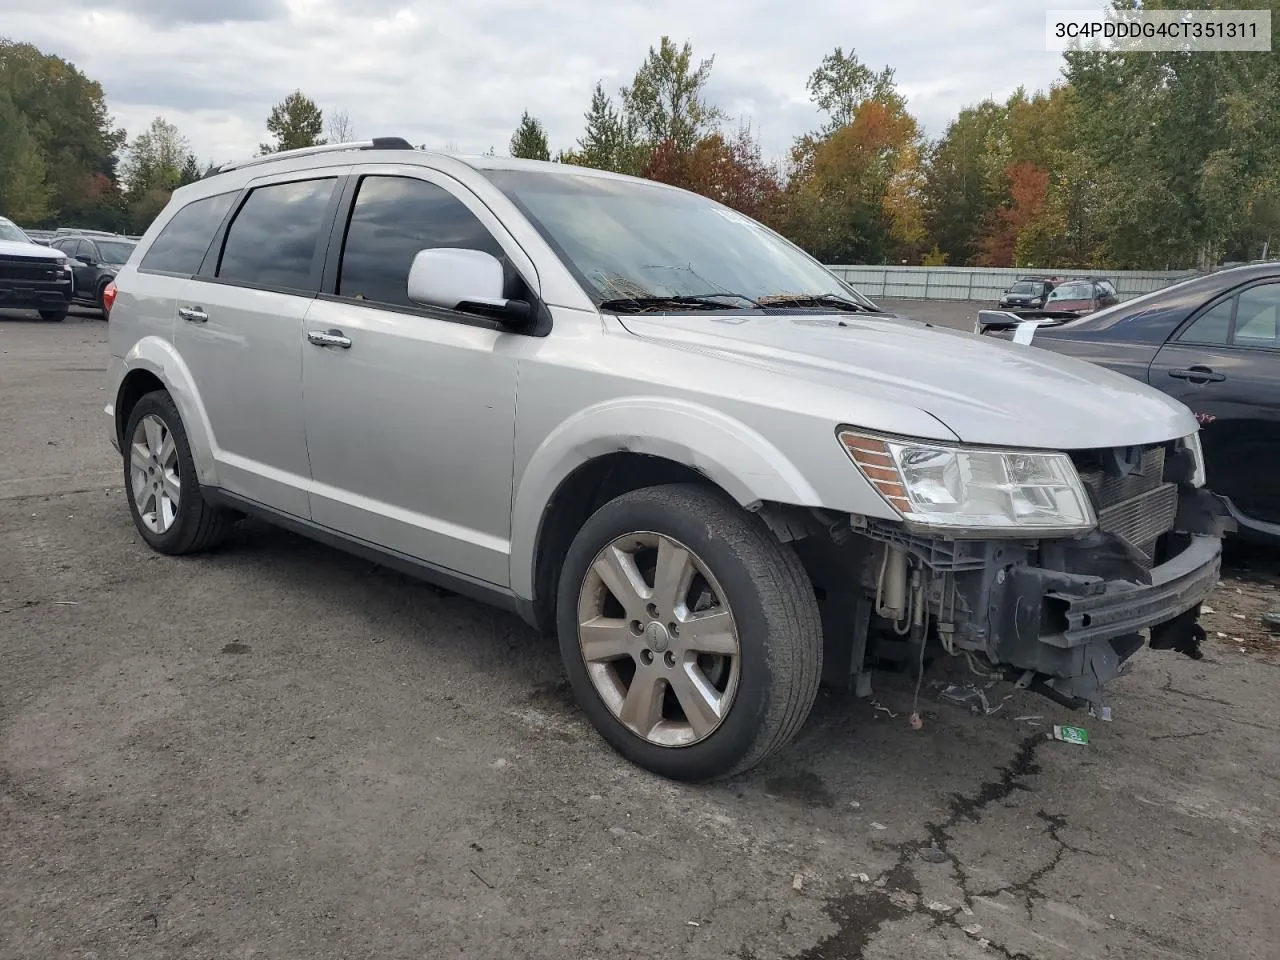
{"x": 95, "y": 259}
{"x": 1212, "y": 342}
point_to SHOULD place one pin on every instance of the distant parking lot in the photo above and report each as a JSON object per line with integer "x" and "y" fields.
{"x": 281, "y": 751}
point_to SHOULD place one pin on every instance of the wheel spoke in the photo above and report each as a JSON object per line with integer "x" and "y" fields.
{"x": 698, "y": 699}
{"x": 617, "y": 569}
{"x": 140, "y": 487}
{"x": 642, "y": 707}
{"x": 166, "y": 511}
{"x": 168, "y": 450}
{"x": 672, "y": 577}
{"x": 155, "y": 434}
{"x": 712, "y": 632}
{"x": 149, "y": 507}
{"x": 139, "y": 457}
{"x": 171, "y": 486}
{"x": 603, "y": 639}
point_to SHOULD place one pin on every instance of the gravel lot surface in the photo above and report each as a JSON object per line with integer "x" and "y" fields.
{"x": 279, "y": 751}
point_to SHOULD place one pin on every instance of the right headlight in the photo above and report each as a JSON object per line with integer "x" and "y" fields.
{"x": 973, "y": 491}
{"x": 1198, "y": 475}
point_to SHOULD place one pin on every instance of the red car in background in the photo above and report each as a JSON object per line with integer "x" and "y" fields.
{"x": 1080, "y": 296}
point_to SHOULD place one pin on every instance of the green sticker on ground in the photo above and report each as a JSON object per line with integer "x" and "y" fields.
{"x": 1071, "y": 734}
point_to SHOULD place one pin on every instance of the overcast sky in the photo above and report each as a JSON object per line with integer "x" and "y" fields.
{"x": 462, "y": 71}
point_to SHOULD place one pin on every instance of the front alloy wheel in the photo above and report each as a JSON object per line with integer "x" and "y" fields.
{"x": 690, "y": 635}
{"x": 658, "y": 639}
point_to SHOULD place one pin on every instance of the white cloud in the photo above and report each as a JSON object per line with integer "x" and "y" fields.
{"x": 463, "y": 73}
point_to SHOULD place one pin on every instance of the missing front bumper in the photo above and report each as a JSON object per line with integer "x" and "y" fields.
{"x": 1076, "y": 637}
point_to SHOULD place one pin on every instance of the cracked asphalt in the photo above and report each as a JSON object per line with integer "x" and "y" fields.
{"x": 279, "y": 751}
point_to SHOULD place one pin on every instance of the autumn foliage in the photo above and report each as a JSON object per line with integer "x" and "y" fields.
{"x": 729, "y": 171}
{"x": 1028, "y": 189}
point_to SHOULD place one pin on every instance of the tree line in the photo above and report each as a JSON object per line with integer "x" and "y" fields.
{"x": 1132, "y": 161}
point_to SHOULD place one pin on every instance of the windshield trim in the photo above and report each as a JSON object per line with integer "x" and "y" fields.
{"x": 495, "y": 176}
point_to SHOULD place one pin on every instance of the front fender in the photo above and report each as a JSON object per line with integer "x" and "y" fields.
{"x": 733, "y": 456}
{"x": 158, "y": 357}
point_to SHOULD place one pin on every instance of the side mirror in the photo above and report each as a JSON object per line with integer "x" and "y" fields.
{"x": 458, "y": 279}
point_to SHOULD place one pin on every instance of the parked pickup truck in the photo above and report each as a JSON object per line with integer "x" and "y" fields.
{"x": 32, "y": 276}
{"x": 652, "y": 427}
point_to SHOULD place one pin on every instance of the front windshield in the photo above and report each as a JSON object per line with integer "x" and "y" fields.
{"x": 1023, "y": 287}
{"x": 628, "y": 239}
{"x": 1071, "y": 291}
{"x": 115, "y": 251}
{"x": 9, "y": 231}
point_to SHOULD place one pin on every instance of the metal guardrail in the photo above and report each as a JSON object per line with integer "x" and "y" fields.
{"x": 984, "y": 283}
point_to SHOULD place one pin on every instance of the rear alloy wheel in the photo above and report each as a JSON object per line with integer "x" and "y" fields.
{"x": 165, "y": 499}
{"x": 690, "y": 635}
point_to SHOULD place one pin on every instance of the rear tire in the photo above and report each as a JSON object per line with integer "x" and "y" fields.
{"x": 750, "y": 677}
{"x": 53, "y": 316}
{"x": 164, "y": 495}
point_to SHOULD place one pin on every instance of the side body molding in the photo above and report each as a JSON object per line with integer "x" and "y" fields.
{"x": 730, "y": 454}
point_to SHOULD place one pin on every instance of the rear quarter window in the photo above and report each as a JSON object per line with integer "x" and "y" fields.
{"x": 184, "y": 240}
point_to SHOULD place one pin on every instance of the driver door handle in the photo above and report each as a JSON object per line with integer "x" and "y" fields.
{"x": 1198, "y": 374}
{"x": 332, "y": 338}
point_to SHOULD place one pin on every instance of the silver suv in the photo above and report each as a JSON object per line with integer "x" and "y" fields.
{"x": 652, "y": 426}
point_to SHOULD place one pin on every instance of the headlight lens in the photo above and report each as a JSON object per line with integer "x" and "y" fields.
{"x": 973, "y": 490}
{"x": 1199, "y": 477}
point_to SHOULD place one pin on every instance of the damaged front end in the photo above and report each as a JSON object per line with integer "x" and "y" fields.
{"x": 1061, "y": 616}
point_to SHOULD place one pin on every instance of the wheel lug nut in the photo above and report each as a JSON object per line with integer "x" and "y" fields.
{"x": 670, "y": 658}
{"x": 652, "y": 610}
{"x": 647, "y": 656}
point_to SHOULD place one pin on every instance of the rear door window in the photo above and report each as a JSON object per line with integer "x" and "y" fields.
{"x": 185, "y": 239}
{"x": 275, "y": 239}
{"x": 1256, "y": 316}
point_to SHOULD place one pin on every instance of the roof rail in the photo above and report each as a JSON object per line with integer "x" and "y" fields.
{"x": 377, "y": 143}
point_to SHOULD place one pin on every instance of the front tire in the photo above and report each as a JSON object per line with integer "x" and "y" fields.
{"x": 165, "y": 499}
{"x": 54, "y": 316}
{"x": 690, "y": 635}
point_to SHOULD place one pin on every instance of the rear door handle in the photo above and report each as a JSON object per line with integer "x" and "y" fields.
{"x": 332, "y": 338}
{"x": 1198, "y": 375}
{"x": 193, "y": 314}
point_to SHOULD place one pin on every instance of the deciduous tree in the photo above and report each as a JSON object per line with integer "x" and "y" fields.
{"x": 65, "y": 114}
{"x": 666, "y": 98}
{"x": 24, "y": 192}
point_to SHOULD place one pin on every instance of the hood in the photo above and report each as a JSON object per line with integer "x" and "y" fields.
{"x": 12, "y": 248}
{"x": 986, "y": 391}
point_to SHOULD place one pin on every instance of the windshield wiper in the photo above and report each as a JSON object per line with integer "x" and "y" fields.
{"x": 830, "y": 300}
{"x": 712, "y": 301}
